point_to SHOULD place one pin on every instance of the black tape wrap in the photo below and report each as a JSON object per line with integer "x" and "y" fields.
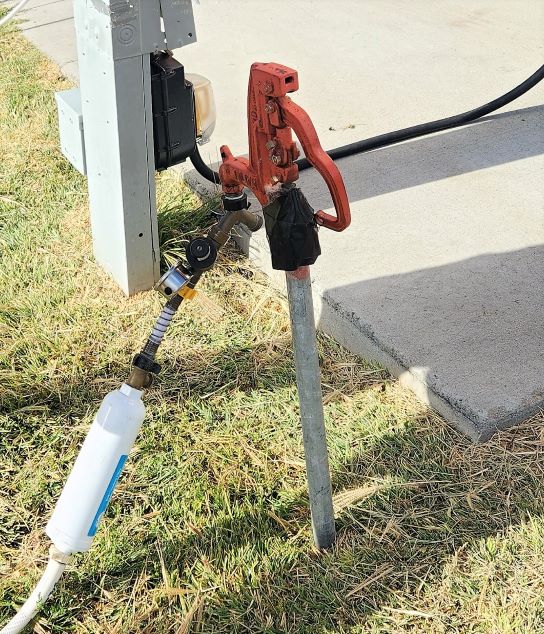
{"x": 291, "y": 230}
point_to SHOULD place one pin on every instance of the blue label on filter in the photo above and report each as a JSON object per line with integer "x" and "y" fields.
{"x": 107, "y": 496}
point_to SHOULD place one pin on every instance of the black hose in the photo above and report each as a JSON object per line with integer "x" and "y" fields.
{"x": 390, "y": 138}
{"x": 201, "y": 167}
{"x": 422, "y": 129}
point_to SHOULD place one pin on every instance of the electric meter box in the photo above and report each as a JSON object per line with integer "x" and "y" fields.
{"x": 174, "y": 121}
{"x": 72, "y": 136}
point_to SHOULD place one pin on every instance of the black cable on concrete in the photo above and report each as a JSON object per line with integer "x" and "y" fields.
{"x": 422, "y": 129}
{"x": 397, "y": 136}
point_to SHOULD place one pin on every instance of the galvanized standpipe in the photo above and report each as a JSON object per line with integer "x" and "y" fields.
{"x": 299, "y": 292}
{"x": 291, "y": 229}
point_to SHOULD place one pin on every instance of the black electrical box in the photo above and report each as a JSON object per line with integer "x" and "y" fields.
{"x": 174, "y": 128}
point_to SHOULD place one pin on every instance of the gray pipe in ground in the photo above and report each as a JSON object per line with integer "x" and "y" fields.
{"x": 299, "y": 291}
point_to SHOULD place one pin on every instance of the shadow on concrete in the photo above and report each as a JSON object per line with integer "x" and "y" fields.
{"x": 470, "y": 334}
{"x": 493, "y": 140}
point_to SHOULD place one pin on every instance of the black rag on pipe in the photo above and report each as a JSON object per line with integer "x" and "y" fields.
{"x": 291, "y": 230}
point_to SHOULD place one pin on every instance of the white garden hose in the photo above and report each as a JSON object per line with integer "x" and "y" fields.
{"x": 13, "y": 12}
{"x": 55, "y": 568}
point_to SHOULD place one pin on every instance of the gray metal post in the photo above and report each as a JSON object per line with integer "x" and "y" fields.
{"x": 115, "y": 39}
{"x": 299, "y": 291}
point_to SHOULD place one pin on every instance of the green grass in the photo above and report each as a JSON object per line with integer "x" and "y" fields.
{"x": 209, "y": 530}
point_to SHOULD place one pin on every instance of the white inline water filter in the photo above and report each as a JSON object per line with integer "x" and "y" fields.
{"x": 94, "y": 475}
{"x": 101, "y": 459}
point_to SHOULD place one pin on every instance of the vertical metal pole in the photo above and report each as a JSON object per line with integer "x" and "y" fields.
{"x": 299, "y": 292}
{"x": 115, "y": 85}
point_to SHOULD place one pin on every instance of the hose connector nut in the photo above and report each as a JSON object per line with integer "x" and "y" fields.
{"x": 235, "y": 202}
{"x": 145, "y": 363}
{"x": 172, "y": 281}
{"x": 201, "y": 253}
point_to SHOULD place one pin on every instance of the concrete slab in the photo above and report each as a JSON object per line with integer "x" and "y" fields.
{"x": 440, "y": 275}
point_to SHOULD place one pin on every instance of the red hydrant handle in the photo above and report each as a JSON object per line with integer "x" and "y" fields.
{"x": 297, "y": 118}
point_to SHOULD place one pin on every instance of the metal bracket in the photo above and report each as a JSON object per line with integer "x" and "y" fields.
{"x": 179, "y": 22}
{"x": 134, "y": 26}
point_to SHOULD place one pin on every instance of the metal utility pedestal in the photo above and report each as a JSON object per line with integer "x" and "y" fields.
{"x": 115, "y": 39}
{"x": 299, "y": 291}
